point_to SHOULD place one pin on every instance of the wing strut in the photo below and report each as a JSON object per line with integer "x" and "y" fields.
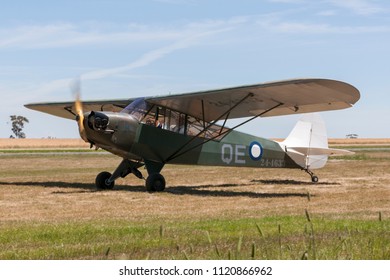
{"x": 179, "y": 152}
{"x": 224, "y": 122}
{"x": 204, "y": 122}
{"x": 69, "y": 109}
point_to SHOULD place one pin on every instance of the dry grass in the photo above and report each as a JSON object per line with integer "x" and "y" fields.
{"x": 58, "y": 188}
{"x": 362, "y": 141}
{"x": 6, "y": 143}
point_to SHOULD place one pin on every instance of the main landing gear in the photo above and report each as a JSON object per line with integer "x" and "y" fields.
{"x": 154, "y": 183}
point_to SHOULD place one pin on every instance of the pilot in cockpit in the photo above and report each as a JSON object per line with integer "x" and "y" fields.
{"x": 158, "y": 124}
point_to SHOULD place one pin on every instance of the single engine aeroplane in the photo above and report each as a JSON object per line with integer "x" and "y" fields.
{"x": 191, "y": 128}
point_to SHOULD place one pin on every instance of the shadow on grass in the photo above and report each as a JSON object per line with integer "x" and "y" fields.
{"x": 293, "y": 182}
{"x": 54, "y": 184}
{"x": 80, "y": 187}
{"x": 206, "y": 190}
{"x": 196, "y": 190}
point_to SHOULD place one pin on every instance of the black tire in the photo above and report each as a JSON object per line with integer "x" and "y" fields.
{"x": 155, "y": 183}
{"x": 314, "y": 179}
{"x": 101, "y": 181}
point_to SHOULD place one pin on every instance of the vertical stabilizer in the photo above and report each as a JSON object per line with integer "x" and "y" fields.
{"x": 307, "y": 143}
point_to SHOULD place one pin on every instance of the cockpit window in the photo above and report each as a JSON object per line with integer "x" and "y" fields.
{"x": 174, "y": 121}
{"x": 138, "y": 109}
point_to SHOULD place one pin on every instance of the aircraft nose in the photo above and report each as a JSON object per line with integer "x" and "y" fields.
{"x": 111, "y": 131}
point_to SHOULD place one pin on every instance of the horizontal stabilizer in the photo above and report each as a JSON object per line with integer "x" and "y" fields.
{"x": 320, "y": 151}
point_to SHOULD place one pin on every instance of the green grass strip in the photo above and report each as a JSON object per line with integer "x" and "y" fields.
{"x": 292, "y": 237}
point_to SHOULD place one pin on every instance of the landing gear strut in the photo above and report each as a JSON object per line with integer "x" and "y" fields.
{"x": 106, "y": 180}
{"x": 154, "y": 183}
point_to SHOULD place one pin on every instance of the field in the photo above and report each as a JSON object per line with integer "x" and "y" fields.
{"x": 50, "y": 208}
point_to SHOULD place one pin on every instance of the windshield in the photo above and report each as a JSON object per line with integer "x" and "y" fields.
{"x": 138, "y": 108}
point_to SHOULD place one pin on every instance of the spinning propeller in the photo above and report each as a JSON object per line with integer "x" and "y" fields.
{"x": 78, "y": 105}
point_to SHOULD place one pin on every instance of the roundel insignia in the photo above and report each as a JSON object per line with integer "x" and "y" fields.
{"x": 255, "y": 150}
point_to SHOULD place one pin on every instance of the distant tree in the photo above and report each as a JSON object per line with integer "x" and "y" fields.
{"x": 17, "y": 123}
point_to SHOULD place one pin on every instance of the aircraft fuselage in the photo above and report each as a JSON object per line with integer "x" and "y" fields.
{"x": 123, "y": 135}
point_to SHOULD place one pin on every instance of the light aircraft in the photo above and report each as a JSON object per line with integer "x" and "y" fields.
{"x": 191, "y": 128}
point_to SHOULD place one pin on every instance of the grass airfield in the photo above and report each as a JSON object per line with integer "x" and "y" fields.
{"x": 50, "y": 208}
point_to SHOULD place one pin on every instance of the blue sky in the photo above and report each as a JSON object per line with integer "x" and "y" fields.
{"x": 124, "y": 49}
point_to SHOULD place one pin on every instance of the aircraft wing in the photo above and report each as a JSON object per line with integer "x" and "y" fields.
{"x": 267, "y": 99}
{"x": 68, "y": 111}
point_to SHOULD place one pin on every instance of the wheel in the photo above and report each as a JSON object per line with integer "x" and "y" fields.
{"x": 102, "y": 181}
{"x": 314, "y": 179}
{"x": 155, "y": 183}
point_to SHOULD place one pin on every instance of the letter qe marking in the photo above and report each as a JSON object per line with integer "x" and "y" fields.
{"x": 227, "y": 153}
{"x": 240, "y": 152}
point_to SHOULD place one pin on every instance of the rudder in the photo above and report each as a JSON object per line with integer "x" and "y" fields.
{"x": 307, "y": 143}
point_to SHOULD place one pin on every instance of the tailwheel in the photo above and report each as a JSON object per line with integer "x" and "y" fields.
{"x": 314, "y": 178}
{"x": 155, "y": 183}
{"x": 102, "y": 181}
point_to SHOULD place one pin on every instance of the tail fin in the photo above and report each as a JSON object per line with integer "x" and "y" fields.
{"x": 307, "y": 143}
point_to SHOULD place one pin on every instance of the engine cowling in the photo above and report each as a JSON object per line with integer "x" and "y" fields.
{"x": 98, "y": 121}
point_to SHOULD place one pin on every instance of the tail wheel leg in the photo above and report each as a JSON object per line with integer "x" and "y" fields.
{"x": 314, "y": 178}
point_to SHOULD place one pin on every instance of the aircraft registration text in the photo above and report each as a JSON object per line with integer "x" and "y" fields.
{"x": 236, "y": 154}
